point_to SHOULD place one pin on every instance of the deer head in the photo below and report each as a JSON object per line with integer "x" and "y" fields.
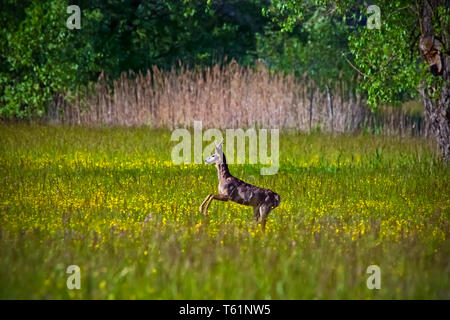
{"x": 216, "y": 157}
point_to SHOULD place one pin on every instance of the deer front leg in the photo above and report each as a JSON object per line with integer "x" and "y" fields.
{"x": 204, "y": 201}
{"x": 220, "y": 197}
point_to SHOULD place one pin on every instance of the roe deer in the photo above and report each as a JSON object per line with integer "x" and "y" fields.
{"x": 233, "y": 189}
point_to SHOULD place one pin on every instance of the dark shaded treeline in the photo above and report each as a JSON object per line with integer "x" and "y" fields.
{"x": 41, "y": 58}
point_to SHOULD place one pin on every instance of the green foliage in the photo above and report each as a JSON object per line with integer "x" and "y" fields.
{"x": 386, "y": 59}
{"x": 43, "y": 58}
{"x": 37, "y": 59}
{"x": 134, "y": 35}
{"x": 314, "y": 47}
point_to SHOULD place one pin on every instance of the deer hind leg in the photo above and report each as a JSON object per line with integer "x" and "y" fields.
{"x": 264, "y": 211}
{"x": 256, "y": 213}
{"x": 214, "y": 197}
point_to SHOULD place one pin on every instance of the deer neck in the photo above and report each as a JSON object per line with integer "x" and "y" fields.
{"x": 222, "y": 169}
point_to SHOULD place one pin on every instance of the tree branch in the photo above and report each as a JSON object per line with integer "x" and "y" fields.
{"x": 354, "y": 67}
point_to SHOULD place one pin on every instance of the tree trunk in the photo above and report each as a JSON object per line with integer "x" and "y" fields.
{"x": 330, "y": 107}
{"x": 437, "y": 112}
{"x": 434, "y": 49}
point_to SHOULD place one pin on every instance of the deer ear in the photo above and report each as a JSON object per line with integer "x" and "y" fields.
{"x": 219, "y": 146}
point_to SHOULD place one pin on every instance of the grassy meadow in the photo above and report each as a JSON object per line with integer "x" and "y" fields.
{"x": 111, "y": 201}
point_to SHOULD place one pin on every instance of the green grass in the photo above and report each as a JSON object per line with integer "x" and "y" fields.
{"x": 110, "y": 201}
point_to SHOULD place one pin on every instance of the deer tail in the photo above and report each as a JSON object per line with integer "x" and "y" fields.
{"x": 277, "y": 201}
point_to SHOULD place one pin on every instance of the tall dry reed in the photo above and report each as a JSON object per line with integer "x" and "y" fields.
{"x": 228, "y": 96}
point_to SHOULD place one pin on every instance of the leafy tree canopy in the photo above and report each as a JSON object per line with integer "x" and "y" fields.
{"x": 41, "y": 57}
{"x": 388, "y": 58}
{"x": 314, "y": 47}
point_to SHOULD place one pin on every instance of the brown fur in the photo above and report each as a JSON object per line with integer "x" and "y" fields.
{"x": 233, "y": 189}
